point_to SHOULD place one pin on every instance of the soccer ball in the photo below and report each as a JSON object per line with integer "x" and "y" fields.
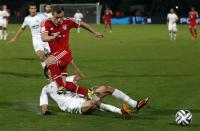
{"x": 183, "y": 117}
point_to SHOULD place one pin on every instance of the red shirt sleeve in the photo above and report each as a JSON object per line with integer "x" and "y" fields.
{"x": 72, "y": 23}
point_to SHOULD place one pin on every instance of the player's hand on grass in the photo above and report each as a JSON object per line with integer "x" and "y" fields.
{"x": 47, "y": 113}
{"x": 97, "y": 34}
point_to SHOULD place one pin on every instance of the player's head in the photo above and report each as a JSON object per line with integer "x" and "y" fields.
{"x": 4, "y": 7}
{"x": 172, "y": 10}
{"x": 58, "y": 14}
{"x": 78, "y": 11}
{"x": 47, "y": 8}
{"x": 192, "y": 9}
{"x": 32, "y": 9}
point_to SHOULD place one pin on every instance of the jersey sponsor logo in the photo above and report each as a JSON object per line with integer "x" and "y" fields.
{"x": 35, "y": 26}
{"x": 64, "y": 27}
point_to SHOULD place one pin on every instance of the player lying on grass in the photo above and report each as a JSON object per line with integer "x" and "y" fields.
{"x": 75, "y": 103}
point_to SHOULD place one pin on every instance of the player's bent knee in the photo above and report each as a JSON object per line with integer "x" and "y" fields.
{"x": 41, "y": 55}
{"x": 88, "y": 106}
{"x": 109, "y": 89}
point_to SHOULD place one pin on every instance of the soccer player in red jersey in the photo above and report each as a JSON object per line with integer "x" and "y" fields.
{"x": 193, "y": 21}
{"x": 56, "y": 32}
{"x": 107, "y": 19}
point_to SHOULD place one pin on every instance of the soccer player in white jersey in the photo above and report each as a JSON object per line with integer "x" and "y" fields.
{"x": 34, "y": 21}
{"x": 5, "y": 34}
{"x": 172, "y": 18}
{"x": 78, "y": 16}
{"x": 74, "y": 103}
{"x": 3, "y": 23}
{"x": 48, "y": 10}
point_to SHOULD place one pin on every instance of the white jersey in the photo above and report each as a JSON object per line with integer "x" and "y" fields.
{"x": 172, "y": 18}
{"x": 3, "y": 20}
{"x": 78, "y": 16}
{"x": 70, "y": 102}
{"x": 3, "y": 14}
{"x": 34, "y": 23}
{"x": 48, "y": 15}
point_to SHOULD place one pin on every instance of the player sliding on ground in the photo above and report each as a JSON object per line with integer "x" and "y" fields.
{"x": 56, "y": 31}
{"x": 75, "y": 103}
{"x": 172, "y": 18}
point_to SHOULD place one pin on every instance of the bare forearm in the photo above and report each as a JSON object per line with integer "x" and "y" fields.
{"x": 87, "y": 27}
{"x": 47, "y": 38}
{"x": 19, "y": 32}
{"x": 90, "y": 29}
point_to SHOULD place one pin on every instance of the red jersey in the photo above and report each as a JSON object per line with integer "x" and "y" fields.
{"x": 107, "y": 14}
{"x": 193, "y": 16}
{"x": 61, "y": 42}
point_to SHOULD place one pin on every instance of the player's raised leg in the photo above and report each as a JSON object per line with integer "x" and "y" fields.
{"x": 42, "y": 57}
{"x": 118, "y": 94}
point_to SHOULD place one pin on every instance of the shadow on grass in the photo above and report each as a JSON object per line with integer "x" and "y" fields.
{"x": 25, "y": 75}
{"x": 20, "y": 106}
{"x": 25, "y": 107}
{"x": 32, "y": 107}
{"x": 165, "y": 112}
{"x": 190, "y": 126}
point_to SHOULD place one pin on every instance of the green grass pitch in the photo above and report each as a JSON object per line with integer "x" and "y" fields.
{"x": 138, "y": 59}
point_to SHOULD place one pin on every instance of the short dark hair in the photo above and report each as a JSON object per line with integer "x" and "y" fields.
{"x": 31, "y": 4}
{"x": 46, "y": 5}
{"x": 57, "y": 9}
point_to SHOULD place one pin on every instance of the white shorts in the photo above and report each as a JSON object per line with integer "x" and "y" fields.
{"x": 74, "y": 105}
{"x": 172, "y": 27}
{"x": 3, "y": 23}
{"x": 39, "y": 45}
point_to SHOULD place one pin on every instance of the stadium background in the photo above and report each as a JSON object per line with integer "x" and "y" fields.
{"x": 121, "y": 8}
{"x": 138, "y": 59}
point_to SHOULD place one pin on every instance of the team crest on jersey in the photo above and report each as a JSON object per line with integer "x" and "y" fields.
{"x": 64, "y": 27}
{"x": 51, "y": 28}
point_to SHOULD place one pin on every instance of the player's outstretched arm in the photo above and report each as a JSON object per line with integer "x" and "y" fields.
{"x": 19, "y": 32}
{"x": 90, "y": 29}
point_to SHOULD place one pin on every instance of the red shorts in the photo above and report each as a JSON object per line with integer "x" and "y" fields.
{"x": 107, "y": 21}
{"x": 192, "y": 25}
{"x": 63, "y": 58}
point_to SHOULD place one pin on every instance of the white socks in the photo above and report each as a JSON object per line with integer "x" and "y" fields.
{"x": 5, "y": 34}
{"x": 43, "y": 64}
{"x": 172, "y": 36}
{"x": 121, "y": 96}
{"x": 78, "y": 30}
{"x": 70, "y": 78}
{"x": 110, "y": 108}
